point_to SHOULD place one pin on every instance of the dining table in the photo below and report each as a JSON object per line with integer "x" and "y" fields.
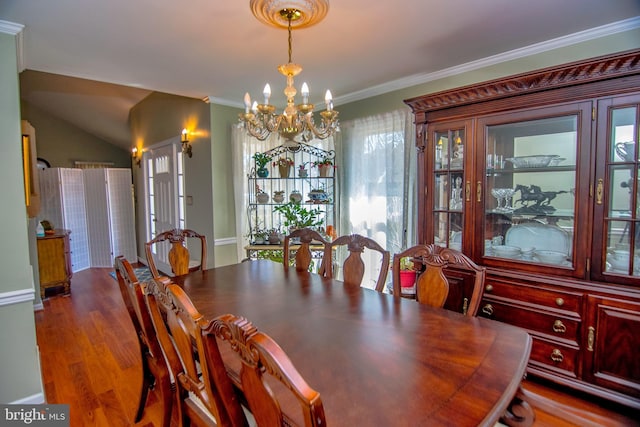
{"x": 375, "y": 359}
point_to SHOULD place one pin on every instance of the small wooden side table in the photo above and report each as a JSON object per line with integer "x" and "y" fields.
{"x": 54, "y": 261}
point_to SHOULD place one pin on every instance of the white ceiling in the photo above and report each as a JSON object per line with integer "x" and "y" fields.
{"x": 216, "y": 48}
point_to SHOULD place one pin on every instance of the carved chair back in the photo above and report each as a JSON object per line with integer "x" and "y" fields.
{"x": 155, "y": 373}
{"x": 353, "y": 266}
{"x": 194, "y": 359}
{"x": 265, "y": 362}
{"x": 303, "y": 255}
{"x": 179, "y": 257}
{"x": 432, "y": 285}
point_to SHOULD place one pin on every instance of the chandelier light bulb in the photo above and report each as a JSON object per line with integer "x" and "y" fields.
{"x": 267, "y": 93}
{"x": 305, "y": 93}
{"x": 254, "y": 107}
{"x": 328, "y": 100}
{"x": 247, "y": 102}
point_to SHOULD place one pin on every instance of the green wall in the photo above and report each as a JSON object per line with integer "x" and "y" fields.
{"x": 61, "y": 143}
{"x": 160, "y": 117}
{"x": 222, "y": 118}
{"x": 19, "y": 363}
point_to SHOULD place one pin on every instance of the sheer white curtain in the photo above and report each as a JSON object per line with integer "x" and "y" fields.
{"x": 244, "y": 147}
{"x": 377, "y": 183}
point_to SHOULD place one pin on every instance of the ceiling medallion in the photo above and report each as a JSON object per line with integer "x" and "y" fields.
{"x": 269, "y": 12}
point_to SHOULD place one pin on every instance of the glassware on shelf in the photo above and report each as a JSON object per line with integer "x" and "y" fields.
{"x": 456, "y": 195}
{"x": 499, "y": 195}
{"x": 508, "y": 199}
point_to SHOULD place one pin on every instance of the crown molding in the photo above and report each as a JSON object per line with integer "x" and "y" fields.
{"x": 222, "y": 101}
{"x": 560, "y": 42}
{"x": 576, "y": 73}
{"x": 10, "y": 28}
{"x": 15, "y": 30}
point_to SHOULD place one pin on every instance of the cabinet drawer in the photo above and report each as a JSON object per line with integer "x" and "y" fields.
{"x": 534, "y": 295}
{"x": 545, "y": 323}
{"x": 556, "y": 357}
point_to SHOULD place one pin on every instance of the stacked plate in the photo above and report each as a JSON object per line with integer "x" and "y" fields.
{"x": 552, "y": 244}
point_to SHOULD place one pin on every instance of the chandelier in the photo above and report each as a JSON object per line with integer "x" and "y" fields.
{"x": 261, "y": 120}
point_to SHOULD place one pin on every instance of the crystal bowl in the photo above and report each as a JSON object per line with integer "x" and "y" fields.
{"x": 538, "y": 161}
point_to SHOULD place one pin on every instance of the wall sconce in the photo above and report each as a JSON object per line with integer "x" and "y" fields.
{"x": 186, "y": 147}
{"x": 134, "y": 155}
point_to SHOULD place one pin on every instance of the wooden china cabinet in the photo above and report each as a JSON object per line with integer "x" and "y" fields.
{"x": 535, "y": 177}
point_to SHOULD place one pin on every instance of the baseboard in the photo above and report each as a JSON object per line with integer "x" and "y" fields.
{"x": 35, "y": 399}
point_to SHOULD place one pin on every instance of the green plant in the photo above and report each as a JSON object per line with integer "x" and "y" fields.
{"x": 283, "y": 161}
{"x": 297, "y": 216}
{"x": 323, "y": 162}
{"x": 261, "y": 159}
{"x": 406, "y": 264}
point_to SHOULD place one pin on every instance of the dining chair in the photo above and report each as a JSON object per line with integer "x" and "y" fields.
{"x": 353, "y": 267}
{"x": 178, "y": 255}
{"x": 155, "y": 373}
{"x": 265, "y": 364}
{"x": 204, "y": 392}
{"x": 433, "y": 287}
{"x": 303, "y": 255}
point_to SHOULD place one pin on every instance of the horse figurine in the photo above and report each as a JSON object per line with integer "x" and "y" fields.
{"x": 541, "y": 199}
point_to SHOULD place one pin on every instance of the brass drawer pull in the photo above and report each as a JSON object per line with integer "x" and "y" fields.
{"x": 468, "y": 190}
{"x": 559, "y": 327}
{"x": 556, "y": 356}
{"x": 591, "y": 337}
{"x": 559, "y": 302}
{"x": 488, "y": 310}
{"x": 479, "y": 191}
{"x": 488, "y": 288}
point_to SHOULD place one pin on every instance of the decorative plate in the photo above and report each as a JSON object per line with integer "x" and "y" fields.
{"x": 539, "y": 236}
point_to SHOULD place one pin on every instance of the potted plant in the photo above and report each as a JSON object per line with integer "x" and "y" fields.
{"x": 407, "y": 273}
{"x": 274, "y": 236}
{"x": 284, "y": 166}
{"x": 297, "y": 216}
{"x": 318, "y": 195}
{"x": 302, "y": 170}
{"x": 324, "y": 166}
{"x": 262, "y": 160}
{"x": 259, "y": 236}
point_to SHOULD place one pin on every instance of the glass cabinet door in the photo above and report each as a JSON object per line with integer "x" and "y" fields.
{"x": 448, "y": 178}
{"x": 619, "y": 193}
{"x": 530, "y": 183}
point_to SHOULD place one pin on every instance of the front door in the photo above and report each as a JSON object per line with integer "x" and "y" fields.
{"x": 162, "y": 197}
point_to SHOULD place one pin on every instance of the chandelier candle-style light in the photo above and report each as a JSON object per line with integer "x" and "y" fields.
{"x": 260, "y": 120}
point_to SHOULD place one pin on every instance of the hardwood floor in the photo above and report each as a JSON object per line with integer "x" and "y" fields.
{"x": 90, "y": 360}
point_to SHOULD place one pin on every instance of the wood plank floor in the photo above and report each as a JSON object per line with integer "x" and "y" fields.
{"x": 90, "y": 360}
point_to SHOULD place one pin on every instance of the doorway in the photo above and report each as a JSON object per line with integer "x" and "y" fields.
{"x": 164, "y": 194}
